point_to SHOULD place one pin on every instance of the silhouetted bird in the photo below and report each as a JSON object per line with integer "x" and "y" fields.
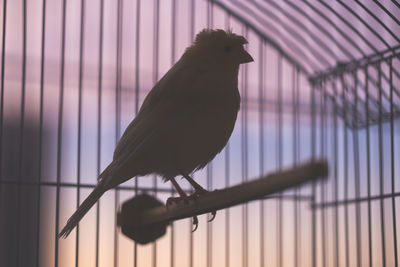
{"x": 184, "y": 122}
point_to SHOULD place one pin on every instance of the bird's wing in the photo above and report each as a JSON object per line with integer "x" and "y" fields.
{"x": 174, "y": 98}
{"x": 168, "y": 97}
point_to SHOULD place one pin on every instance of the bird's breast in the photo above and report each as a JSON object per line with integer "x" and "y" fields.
{"x": 206, "y": 132}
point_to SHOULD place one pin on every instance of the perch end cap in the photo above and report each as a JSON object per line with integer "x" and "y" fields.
{"x": 130, "y": 213}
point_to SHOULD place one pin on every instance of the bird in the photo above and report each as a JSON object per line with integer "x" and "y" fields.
{"x": 185, "y": 120}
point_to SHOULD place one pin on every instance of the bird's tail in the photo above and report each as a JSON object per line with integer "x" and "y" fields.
{"x": 82, "y": 210}
{"x": 73, "y": 221}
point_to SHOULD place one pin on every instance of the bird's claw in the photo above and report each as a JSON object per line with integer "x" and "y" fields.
{"x": 199, "y": 192}
{"x": 213, "y": 214}
{"x": 195, "y": 223}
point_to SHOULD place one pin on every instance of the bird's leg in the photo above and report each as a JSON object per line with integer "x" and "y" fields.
{"x": 182, "y": 195}
{"x": 198, "y": 191}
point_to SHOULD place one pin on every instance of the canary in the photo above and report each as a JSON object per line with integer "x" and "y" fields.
{"x": 184, "y": 121}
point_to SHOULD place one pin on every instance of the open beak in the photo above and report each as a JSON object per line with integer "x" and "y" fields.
{"x": 245, "y": 57}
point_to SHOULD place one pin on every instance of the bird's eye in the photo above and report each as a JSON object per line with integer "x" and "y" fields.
{"x": 227, "y": 48}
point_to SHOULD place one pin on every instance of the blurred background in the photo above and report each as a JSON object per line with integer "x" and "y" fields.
{"x": 325, "y": 84}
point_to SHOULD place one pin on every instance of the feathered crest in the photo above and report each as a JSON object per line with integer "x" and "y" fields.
{"x": 209, "y": 36}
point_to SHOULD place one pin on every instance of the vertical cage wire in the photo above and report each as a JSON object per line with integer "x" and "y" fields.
{"x": 369, "y": 152}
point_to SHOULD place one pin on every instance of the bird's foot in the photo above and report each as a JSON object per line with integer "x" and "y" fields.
{"x": 200, "y": 192}
{"x": 177, "y": 201}
{"x": 185, "y": 200}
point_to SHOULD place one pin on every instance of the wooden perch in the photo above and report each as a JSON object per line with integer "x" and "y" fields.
{"x": 140, "y": 217}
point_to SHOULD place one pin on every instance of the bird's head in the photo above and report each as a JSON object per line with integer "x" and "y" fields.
{"x": 220, "y": 46}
